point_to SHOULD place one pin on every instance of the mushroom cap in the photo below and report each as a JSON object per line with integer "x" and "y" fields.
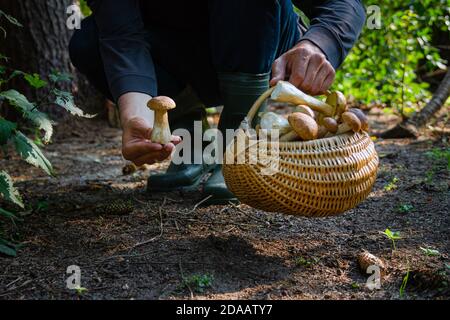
{"x": 305, "y": 126}
{"x": 161, "y": 103}
{"x": 362, "y": 117}
{"x": 306, "y": 110}
{"x": 352, "y": 121}
{"x": 330, "y": 124}
{"x": 322, "y": 132}
{"x": 340, "y": 98}
{"x": 338, "y": 101}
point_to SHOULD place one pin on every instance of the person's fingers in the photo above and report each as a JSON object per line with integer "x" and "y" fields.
{"x": 313, "y": 68}
{"x": 328, "y": 80}
{"x": 175, "y": 139}
{"x": 168, "y": 147}
{"x": 135, "y": 149}
{"x": 319, "y": 79}
{"x": 278, "y": 70}
{"x": 151, "y": 158}
{"x": 144, "y": 160}
{"x": 298, "y": 70}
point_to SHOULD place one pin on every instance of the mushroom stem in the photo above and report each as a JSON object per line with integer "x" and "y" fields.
{"x": 343, "y": 128}
{"x": 337, "y": 100}
{"x": 362, "y": 117}
{"x": 161, "y": 130}
{"x": 290, "y": 136}
{"x": 351, "y": 122}
{"x": 287, "y": 92}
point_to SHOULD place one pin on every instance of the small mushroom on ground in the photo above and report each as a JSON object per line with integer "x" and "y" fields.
{"x": 350, "y": 123}
{"x": 161, "y": 130}
{"x": 366, "y": 259}
{"x": 306, "y": 110}
{"x": 305, "y": 126}
{"x": 362, "y": 117}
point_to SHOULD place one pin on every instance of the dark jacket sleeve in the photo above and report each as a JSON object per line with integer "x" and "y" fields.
{"x": 123, "y": 47}
{"x": 334, "y": 25}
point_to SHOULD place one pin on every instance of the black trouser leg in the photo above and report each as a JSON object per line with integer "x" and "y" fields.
{"x": 246, "y": 37}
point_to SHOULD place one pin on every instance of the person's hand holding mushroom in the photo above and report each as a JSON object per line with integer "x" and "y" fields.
{"x": 137, "y": 124}
{"x": 306, "y": 67}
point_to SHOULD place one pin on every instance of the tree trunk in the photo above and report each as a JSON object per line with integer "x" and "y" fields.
{"x": 409, "y": 127}
{"x": 41, "y": 46}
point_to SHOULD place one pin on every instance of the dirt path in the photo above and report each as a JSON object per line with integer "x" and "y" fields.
{"x": 221, "y": 252}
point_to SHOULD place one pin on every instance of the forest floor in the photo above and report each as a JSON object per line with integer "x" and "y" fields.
{"x": 164, "y": 246}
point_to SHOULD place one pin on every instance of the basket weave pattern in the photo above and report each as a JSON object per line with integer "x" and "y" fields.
{"x": 316, "y": 178}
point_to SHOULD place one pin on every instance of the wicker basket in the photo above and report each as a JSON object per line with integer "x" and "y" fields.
{"x": 315, "y": 178}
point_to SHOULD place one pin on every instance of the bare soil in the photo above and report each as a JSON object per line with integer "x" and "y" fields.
{"x": 130, "y": 244}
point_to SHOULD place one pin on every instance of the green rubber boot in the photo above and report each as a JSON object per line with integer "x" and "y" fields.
{"x": 239, "y": 92}
{"x": 182, "y": 176}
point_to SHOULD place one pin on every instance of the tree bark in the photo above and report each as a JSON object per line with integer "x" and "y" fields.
{"x": 409, "y": 127}
{"x": 41, "y": 46}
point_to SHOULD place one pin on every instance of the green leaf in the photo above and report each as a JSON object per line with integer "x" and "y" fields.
{"x": 65, "y": 100}
{"x": 6, "y": 130}
{"x": 430, "y": 252}
{"x": 31, "y": 153}
{"x": 8, "y": 248}
{"x": 8, "y": 191}
{"x": 404, "y": 283}
{"x": 30, "y": 112}
{"x": 42, "y": 121}
{"x": 393, "y": 235}
{"x": 35, "y": 80}
{"x": 57, "y": 76}
{"x": 7, "y": 214}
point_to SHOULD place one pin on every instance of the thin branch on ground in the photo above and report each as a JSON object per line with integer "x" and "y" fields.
{"x": 161, "y": 226}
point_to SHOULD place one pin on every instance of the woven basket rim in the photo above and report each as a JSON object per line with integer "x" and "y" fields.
{"x": 314, "y": 143}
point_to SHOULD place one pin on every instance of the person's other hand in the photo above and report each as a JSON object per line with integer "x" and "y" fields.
{"x": 306, "y": 67}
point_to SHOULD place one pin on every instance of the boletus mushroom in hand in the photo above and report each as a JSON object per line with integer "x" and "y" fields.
{"x": 305, "y": 126}
{"x": 161, "y": 130}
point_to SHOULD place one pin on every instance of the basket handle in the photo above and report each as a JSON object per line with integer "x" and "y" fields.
{"x": 258, "y": 103}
